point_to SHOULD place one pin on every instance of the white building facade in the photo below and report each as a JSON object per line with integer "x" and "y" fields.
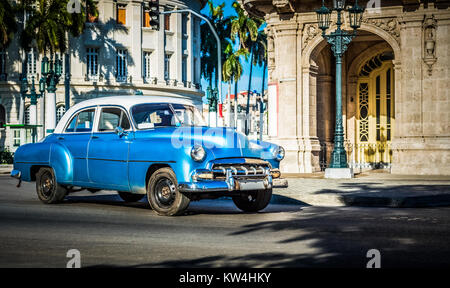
{"x": 118, "y": 54}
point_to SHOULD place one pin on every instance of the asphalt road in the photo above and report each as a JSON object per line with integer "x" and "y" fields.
{"x": 110, "y": 233}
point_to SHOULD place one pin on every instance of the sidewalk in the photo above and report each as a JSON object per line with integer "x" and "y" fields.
{"x": 370, "y": 189}
{"x": 5, "y": 168}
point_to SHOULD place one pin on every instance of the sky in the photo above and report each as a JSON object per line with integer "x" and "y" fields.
{"x": 243, "y": 82}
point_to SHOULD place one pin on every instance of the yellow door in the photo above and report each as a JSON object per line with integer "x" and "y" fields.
{"x": 375, "y": 117}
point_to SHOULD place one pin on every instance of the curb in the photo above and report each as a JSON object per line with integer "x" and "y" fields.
{"x": 398, "y": 202}
{"x": 336, "y": 200}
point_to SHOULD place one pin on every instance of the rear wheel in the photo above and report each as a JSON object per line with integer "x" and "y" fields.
{"x": 163, "y": 194}
{"x": 253, "y": 201}
{"x": 48, "y": 190}
{"x": 130, "y": 197}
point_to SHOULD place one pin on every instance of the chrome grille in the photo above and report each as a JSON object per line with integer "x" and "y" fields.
{"x": 241, "y": 170}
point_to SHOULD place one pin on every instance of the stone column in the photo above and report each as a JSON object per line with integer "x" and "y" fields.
{"x": 421, "y": 143}
{"x": 325, "y": 115}
{"x": 296, "y": 96}
{"x": 135, "y": 53}
{"x": 285, "y": 76}
{"x": 161, "y": 50}
{"x": 50, "y": 111}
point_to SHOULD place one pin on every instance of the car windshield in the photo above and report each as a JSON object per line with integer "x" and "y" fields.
{"x": 148, "y": 116}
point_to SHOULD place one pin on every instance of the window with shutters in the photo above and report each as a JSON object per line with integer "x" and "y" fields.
{"x": 146, "y": 19}
{"x": 121, "y": 14}
{"x": 146, "y": 65}
{"x": 167, "y": 67}
{"x": 167, "y": 22}
{"x": 92, "y": 63}
{"x": 32, "y": 62}
{"x": 121, "y": 65}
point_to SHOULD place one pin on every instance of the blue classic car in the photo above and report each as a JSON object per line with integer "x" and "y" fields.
{"x": 154, "y": 146}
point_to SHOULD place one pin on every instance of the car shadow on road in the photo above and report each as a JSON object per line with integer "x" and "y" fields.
{"x": 385, "y": 195}
{"x": 210, "y": 207}
{"x": 334, "y": 238}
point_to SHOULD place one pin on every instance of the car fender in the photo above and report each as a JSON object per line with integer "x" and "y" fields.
{"x": 31, "y": 155}
{"x": 61, "y": 161}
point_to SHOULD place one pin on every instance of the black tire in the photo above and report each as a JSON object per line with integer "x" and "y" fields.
{"x": 253, "y": 201}
{"x": 163, "y": 194}
{"x": 130, "y": 197}
{"x": 48, "y": 190}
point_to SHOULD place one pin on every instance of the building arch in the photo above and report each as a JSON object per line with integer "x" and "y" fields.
{"x": 315, "y": 46}
{"x": 356, "y": 64}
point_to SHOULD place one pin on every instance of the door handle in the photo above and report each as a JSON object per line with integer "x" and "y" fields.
{"x": 94, "y": 137}
{"x": 60, "y": 138}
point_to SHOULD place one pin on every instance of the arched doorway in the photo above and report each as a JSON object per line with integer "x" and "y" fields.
{"x": 375, "y": 113}
{"x": 368, "y": 58}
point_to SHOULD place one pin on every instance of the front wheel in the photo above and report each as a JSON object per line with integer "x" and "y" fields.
{"x": 163, "y": 194}
{"x": 130, "y": 197}
{"x": 253, "y": 201}
{"x": 48, "y": 190}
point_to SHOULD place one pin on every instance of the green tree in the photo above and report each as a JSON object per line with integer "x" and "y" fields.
{"x": 259, "y": 58}
{"x": 8, "y": 25}
{"x": 247, "y": 30}
{"x": 50, "y": 23}
{"x": 232, "y": 68}
{"x": 222, "y": 25}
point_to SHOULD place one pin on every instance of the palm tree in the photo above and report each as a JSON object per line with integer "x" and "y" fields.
{"x": 49, "y": 23}
{"x": 48, "y": 29}
{"x": 8, "y": 25}
{"x": 232, "y": 69}
{"x": 246, "y": 29}
{"x": 259, "y": 57}
{"x": 222, "y": 25}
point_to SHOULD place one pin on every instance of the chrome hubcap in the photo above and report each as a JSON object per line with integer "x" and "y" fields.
{"x": 165, "y": 192}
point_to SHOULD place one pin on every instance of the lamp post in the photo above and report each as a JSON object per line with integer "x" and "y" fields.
{"x": 211, "y": 95}
{"x": 33, "y": 97}
{"x": 339, "y": 41}
{"x": 51, "y": 73}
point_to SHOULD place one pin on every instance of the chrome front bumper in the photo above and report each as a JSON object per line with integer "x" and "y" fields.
{"x": 231, "y": 182}
{"x": 16, "y": 174}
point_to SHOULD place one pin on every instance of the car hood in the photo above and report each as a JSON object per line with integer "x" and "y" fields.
{"x": 221, "y": 142}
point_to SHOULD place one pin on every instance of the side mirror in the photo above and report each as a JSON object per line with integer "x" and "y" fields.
{"x": 119, "y": 131}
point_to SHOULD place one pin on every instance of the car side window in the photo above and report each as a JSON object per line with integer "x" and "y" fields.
{"x": 82, "y": 122}
{"x": 110, "y": 118}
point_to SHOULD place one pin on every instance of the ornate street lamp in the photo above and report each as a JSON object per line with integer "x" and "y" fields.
{"x": 33, "y": 97}
{"x": 44, "y": 66}
{"x": 51, "y": 71}
{"x": 339, "y": 41}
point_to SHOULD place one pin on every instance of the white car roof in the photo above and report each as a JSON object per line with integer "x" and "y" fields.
{"x": 125, "y": 101}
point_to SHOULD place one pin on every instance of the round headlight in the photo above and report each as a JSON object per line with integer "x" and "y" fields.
{"x": 198, "y": 153}
{"x": 279, "y": 153}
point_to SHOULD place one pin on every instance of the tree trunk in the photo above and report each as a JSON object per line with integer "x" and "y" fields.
{"x": 235, "y": 102}
{"x": 247, "y": 110}
{"x": 228, "y": 115}
{"x": 261, "y": 104}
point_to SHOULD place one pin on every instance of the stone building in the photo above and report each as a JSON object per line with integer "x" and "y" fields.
{"x": 118, "y": 54}
{"x": 396, "y": 85}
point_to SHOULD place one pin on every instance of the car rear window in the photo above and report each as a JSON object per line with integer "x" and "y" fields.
{"x": 82, "y": 122}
